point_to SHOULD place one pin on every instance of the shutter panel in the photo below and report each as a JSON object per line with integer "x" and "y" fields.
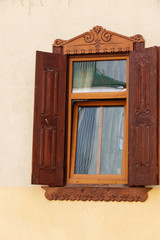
{"x": 143, "y": 117}
{"x": 49, "y": 119}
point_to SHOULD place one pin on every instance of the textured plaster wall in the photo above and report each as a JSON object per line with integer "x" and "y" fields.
{"x": 27, "y": 215}
{"x": 27, "y": 26}
{"x": 30, "y": 25}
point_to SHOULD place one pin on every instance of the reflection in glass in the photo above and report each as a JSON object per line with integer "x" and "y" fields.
{"x": 99, "y": 76}
{"x": 99, "y": 140}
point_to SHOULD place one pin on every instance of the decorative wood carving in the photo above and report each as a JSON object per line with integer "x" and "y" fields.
{"x": 48, "y": 134}
{"x": 138, "y": 38}
{"x": 142, "y": 107}
{"x": 97, "y": 194}
{"x": 49, "y": 119}
{"x": 143, "y": 115}
{"x": 97, "y": 40}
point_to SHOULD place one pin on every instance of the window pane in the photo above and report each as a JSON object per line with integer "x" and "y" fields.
{"x": 112, "y": 140}
{"x": 87, "y": 140}
{"x": 99, "y": 140}
{"x": 99, "y": 76}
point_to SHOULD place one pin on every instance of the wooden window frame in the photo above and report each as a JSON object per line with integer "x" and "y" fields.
{"x": 98, "y": 178}
{"x": 107, "y": 99}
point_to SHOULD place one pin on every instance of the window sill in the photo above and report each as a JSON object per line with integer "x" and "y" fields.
{"x": 129, "y": 194}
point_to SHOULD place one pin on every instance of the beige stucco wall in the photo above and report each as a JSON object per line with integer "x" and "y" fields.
{"x": 25, "y": 214}
{"x": 27, "y": 26}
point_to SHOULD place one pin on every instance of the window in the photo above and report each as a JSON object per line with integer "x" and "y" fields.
{"x": 78, "y": 94}
{"x": 97, "y": 120}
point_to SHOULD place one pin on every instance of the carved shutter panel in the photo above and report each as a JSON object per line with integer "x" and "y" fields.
{"x": 143, "y": 117}
{"x": 49, "y": 119}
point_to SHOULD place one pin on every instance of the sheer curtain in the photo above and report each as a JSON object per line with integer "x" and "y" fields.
{"x": 112, "y": 135}
{"x": 88, "y": 140}
{"x": 99, "y": 76}
{"x": 83, "y": 74}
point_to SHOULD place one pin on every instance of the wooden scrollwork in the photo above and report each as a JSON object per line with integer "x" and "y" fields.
{"x": 97, "y": 40}
{"x": 97, "y": 194}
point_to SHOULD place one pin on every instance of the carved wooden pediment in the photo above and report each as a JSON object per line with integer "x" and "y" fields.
{"x": 98, "y": 40}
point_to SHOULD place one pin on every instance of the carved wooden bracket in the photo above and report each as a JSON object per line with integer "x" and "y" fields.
{"x": 133, "y": 194}
{"x": 97, "y": 40}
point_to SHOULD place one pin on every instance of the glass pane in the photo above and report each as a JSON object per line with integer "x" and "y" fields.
{"x": 99, "y": 140}
{"x": 112, "y": 140}
{"x": 99, "y": 76}
{"x": 87, "y": 140}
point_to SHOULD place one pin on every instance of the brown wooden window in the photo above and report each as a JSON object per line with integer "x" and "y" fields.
{"x": 98, "y": 120}
{"x": 76, "y": 98}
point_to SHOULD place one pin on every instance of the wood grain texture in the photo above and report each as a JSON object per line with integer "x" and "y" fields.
{"x": 97, "y": 40}
{"x": 158, "y": 165}
{"x": 99, "y": 95}
{"x": 49, "y": 119}
{"x": 137, "y": 46}
{"x": 143, "y": 117}
{"x": 97, "y": 194}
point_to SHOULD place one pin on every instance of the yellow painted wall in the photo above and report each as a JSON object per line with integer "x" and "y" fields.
{"x": 27, "y": 26}
{"x": 25, "y": 214}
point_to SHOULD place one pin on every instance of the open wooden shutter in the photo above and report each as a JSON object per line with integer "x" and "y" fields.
{"x": 49, "y": 119}
{"x": 143, "y": 117}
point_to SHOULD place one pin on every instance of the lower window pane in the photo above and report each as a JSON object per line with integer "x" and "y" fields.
{"x": 112, "y": 140}
{"x": 87, "y": 140}
{"x": 99, "y": 140}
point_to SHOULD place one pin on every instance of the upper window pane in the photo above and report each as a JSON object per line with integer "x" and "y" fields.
{"x": 99, "y": 76}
